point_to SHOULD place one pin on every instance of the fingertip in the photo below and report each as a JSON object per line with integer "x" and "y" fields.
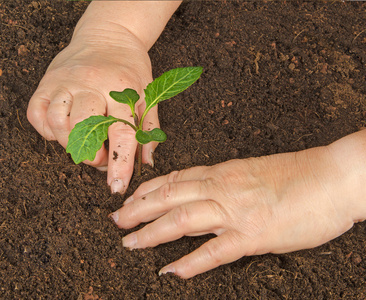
{"x": 37, "y": 116}
{"x": 148, "y": 151}
{"x": 150, "y": 158}
{"x": 114, "y": 216}
{"x": 119, "y": 178}
{"x": 122, "y": 148}
{"x": 100, "y": 161}
{"x": 130, "y": 241}
{"x": 210, "y": 255}
{"x": 118, "y": 186}
{"x": 102, "y": 168}
{"x": 167, "y": 269}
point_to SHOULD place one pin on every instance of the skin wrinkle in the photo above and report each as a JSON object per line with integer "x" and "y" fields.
{"x": 218, "y": 210}
{"x": 345, "y": 178}
{"x": 323, "y": 184}
{"x": 129, "y": 31}
{"x": 222, "y": 188}
{"x": 142, "y": 60}
{"x": 87, "y": 86}
{"x": 96, "y": 39}
{"x": 232, "y": 217}
{"x": 96, "y": 92}
{"x": 206, "y": 186}
{"x": 273, "y": 172}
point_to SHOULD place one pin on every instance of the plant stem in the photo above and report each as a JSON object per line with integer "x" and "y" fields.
{"x": 139, "y": 160}
{"x": 139, "y": 154}
{"x": 128, "y": 123}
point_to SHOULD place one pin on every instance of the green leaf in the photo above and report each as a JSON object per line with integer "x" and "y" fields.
{"x": 170, "y": 84}
{"x": 155, "y": 135}
{"x": 87, "y": 137}
{"x": 127, "y": 96}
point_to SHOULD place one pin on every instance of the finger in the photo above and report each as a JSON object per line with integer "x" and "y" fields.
{"x": 151, "y": 121}
{"x": 185, "y": 219}
{"x": 195, "y": 173}
{"x": 223, "y": 249}
{"x": 86, "y": 104}
{"x": 58, "y": 115}
{"x": 37, "y": 114}
{"x": 160, "y": 201}
{"x": 122, "y": 149}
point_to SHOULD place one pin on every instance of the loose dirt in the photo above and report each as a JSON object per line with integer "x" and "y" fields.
{"x": 279, "y": 76}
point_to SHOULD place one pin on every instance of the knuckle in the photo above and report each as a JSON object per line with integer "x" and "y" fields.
{"x": 129, "y": 222}
{"x": 126, "y": 168}
{"x": 207, "y": 187}
{"x": 119, "y": 130}
{"x": 217, "y": 211}
{"x": 180, "y": 216}
{"x": 146, "y": 237}
{"x": 77, "y": 120}
{"x": 56, "y": 119}
{"x": 173, "y": 176}
{"x": 167, "y": 191}
{"x": 34, "y": 116}
{"x": 213, "y": 253}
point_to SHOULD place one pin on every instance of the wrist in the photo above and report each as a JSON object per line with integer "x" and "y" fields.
{"x": 145, "y": 20}
{"x": 122, "y": 48}
{"x": 349, "y": 155}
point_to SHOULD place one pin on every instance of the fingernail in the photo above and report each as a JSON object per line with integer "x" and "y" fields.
{"x": 114, "y": 216}
{"x": 167, "y": 269}
{"x": 117, "y": 186}
{"x": 128, "y": 200}
{"x": 103, "y": 169}
{"x": 129, "y": 241}
{"x": 151, "y": 158}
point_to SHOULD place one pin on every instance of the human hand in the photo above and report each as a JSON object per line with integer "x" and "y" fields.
{"x": 274, "y": 204}
{"x": 77, "y": 85}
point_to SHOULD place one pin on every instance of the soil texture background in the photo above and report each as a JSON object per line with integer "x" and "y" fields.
{"x": 279, "y": 76}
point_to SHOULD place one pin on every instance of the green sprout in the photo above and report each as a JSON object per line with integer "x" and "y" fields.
{"x": 88, "y": 136}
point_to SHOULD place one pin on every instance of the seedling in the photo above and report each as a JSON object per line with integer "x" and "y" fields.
{"x": 88, "y": 136}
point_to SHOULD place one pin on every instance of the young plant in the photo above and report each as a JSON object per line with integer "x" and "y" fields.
{"x": 88, "y": 136}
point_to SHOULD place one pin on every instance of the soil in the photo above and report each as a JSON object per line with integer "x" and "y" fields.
{"x": 279, "y": 76}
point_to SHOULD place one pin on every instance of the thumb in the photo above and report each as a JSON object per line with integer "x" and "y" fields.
{"x": 37, "y": 114}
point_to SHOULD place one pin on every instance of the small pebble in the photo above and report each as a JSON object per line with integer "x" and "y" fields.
{"x": 291, "y": 66}
{"x": 22, "y": 50}
{"x": 356, "y": 259}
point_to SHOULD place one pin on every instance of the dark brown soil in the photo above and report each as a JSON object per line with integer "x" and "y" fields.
{"x": 278, "y": 77}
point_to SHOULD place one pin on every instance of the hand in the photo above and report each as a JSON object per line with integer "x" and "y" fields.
{"x": 77, "y": 85}
{"x": 279, "y": 203}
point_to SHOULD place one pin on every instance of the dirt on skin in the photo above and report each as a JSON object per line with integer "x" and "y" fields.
{"x": 279, "y": 76}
